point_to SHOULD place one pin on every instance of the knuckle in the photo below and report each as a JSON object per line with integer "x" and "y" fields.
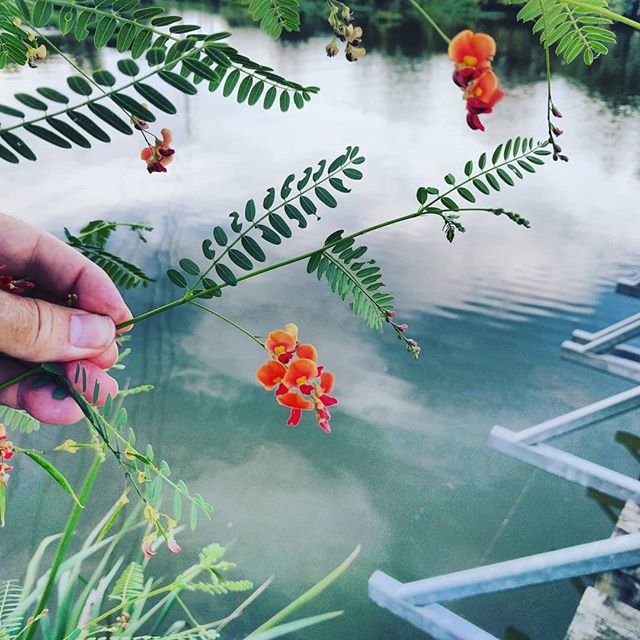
{"x": 35, "y": 329}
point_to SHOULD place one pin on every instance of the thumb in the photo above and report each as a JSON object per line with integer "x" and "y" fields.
{"x": 39, "y": 331}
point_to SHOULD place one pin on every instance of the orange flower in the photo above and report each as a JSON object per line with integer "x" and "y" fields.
{"x": 297, "y": 404}
{"x": 159, "y": 155}
{"x": 307, "y": 351}
{"x": 281, "y": 344}
{"x": 294, "y": 400}
{"x": 300, "y": 372}
{"x": 301, "y": 384}
{"x": 472, "y": 54}
{"x": 271, "y": 374}
{"x": 482, "y": 95}
{"x": 475, "y": 50}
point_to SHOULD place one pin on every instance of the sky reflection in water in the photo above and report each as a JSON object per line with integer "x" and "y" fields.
{"x": 406, "y": 472}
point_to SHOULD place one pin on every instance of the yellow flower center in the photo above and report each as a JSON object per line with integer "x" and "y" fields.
{"x": 478, "y": 92}
{"x": 470, "y": 61}
{"x": 301, "y": 380}
{"x": 277, "y": 380}
{"x": 279, "y": 350}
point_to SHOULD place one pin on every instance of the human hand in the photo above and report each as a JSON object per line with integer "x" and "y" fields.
{"x": 40, "y": 328}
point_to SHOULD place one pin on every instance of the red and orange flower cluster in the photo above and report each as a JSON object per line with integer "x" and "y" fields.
{"x": 11, "y": 284}
{"x": 160, "y": 154}
{"x": 300, "y": 383}
{"x": 6, "y": 453}
{"x": 472, "y": 54}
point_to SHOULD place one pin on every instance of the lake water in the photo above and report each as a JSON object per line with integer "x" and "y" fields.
{"x": 407, "y": 472}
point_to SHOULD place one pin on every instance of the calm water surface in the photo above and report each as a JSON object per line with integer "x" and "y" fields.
{"x": 407, "y": 472}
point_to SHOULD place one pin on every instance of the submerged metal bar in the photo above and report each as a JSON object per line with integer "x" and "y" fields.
{"x": 433, "y": 619}
{"x": 614, "y": 327}
{"x": 616, "y": 365}
{"x": 613, "y": 336}
{"x": 622, "y": 350}
{"x": 592, "y": 413}
{"x": 566, "y": 465}
{"x": 571, "y": 562}
{"x": 629, "y": 286}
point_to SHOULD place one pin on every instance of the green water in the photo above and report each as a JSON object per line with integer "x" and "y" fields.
{"x": 406, "y": 472}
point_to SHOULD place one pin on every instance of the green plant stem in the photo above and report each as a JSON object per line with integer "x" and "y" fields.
{"x": 152, "y": 312}
{"x": 603, "y": 11}
{"x": 69, "y": 530}
{"x": 85, "y": 75}
{"x": 158, "y": 32}
{"x": 261, "y": 219}
{"x": 547, "y": 58}
{"x": 228, "y": 321}
{"x": 431, "y": 21}
{"x": 426, "y": 209}
{"x": 21, "y": 376}
{"x": 100, "y": 97}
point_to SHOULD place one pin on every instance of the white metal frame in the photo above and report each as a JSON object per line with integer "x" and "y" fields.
{"x": 418, "y": 602}
{"x": 529, "y": 446}
{"x": 629, "y": 286}
{"x": 606, "y": 349}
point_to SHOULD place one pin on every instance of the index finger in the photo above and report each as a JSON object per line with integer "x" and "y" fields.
{"x": 60, "y": 269}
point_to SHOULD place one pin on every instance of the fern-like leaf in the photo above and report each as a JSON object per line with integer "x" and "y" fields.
{"x": 221, "y": 587}
{"x": 10, "y": 597}
{"x": 18, "y": 420}
{"x": 129, "y": 585}
{"x": 98, "y": 232}
{"x": 91, "y": 241}
{"x": 123, "y": 273}
{"x": 573, "y": 30}
{"x": 509, "y": 162}
{"x": 14, "y": 44}
{"x": 275, "y": 15}
{"x": 176, "y": 56}
{"x": 238, "y": 248}
{"x": 358, "y": 282}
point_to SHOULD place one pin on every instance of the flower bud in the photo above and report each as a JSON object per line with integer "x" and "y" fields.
{"x": 555, "y": 111}
{"x": 332, "y": 48}
{"x": 391, "y": 314}
{"x": 402, "y": 327}
{"x": 347, "y": 16}
{"x": 353, "y": 54}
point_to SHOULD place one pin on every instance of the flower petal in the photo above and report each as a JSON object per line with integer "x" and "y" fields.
{"x": 279, "y": 342}
{"x": 294, "y": 400}
{"x": 270, "y": 374}
{"x": 294, "y": 417}
{"x": 300, "y": 371}
{"x": 307, "y": 351}
{"x": 327, "y": 380}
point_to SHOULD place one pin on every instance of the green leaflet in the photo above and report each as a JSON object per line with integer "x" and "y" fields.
{"x": 18, "y": 420}
{"x": 573, "y": 31}
{"x": 274, "y": 16}
{"x": 129, "y": 28}
{"x": 54, "y": 473}
{"x": 91, "y": 242}
{"x": 245, "y": 240}
{"x": 129, "y": 585}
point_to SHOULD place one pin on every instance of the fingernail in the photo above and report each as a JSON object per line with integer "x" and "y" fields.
{"x": 88, "y": 331}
